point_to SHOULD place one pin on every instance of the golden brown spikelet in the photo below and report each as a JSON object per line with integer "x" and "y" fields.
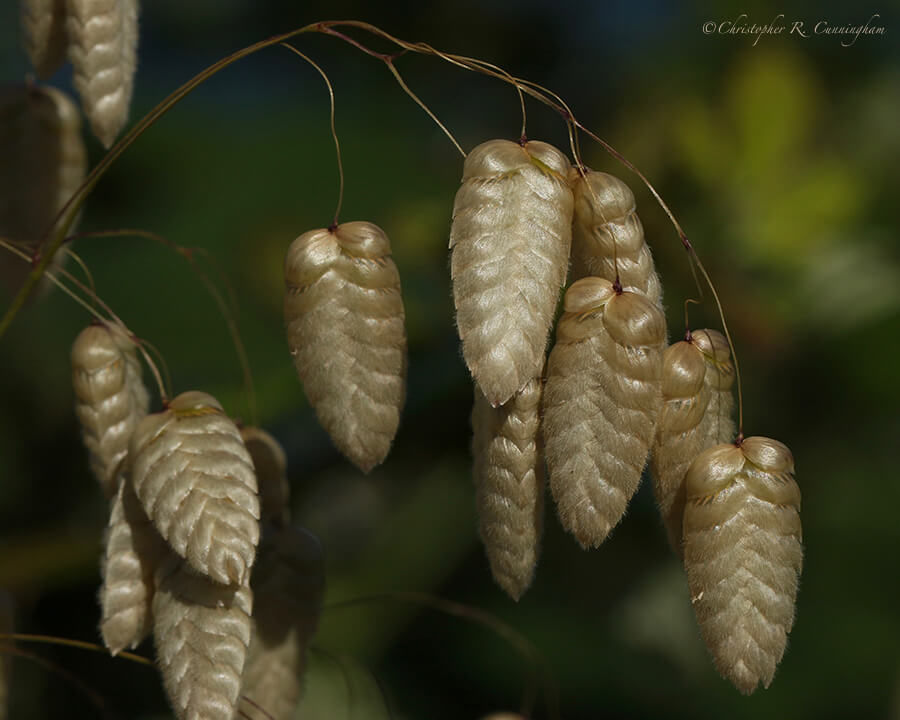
{"x": 44, "y": 34}
{"x": 696, "y": 414}
{"x": 509, "y": 244}
{"x": 133, "y": 549}
{"x": 270, "y": 466}
{"x": 718, "y": 424}
{"x": 7, "y": 625}
{"x": 347, "y": 334}
{"x": 103, "y": 38}
{"x": 607, "y": 234}
{"x": 43, "y": 162}
{"x": 195, "y": 480}
{"x": 201, "y": 630}
{"x": 743, "y": 554}
{"x": 288, "y": 582}
{"x": 601, "y": 403}
{"x": 110, "y": 398}
{"x": 508, "y": 470}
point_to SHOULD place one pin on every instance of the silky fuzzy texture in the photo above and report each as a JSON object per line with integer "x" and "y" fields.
{"x": 607, "y": 235}
{"x": 508, "y": 470}
{"x": 7, "y": 625}
{"x": 110, "y": 398}
{"x": 43, "y": 162}
{"x": 743, "y": 555}
{"x": 133, "y": 549}
{"x": 601, "y": 403}
{"x": 509, "y": 241}
{"x": 195, "y": 480}
{"x": 346, "y": 330}
{"x": 202, "y": 631}
{"x": 44, "y": 34}
{"x": 270, "y": 466}
{"x": 103, "y": 37}
{"x": 288, "y": 582}
{"x": 718, "y": 424}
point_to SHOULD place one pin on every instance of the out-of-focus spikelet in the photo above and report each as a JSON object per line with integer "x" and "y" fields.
{"x": 346, "y": 332}
{"x": 503, "y": 716}
{"x": 110, "y": 398}
{"x": 601, "y": 403}
{"x": 44, "y": 34}
{"x": 288, "y": 582}
{"x": 743, "y": 554}
{"x": 607, "y": 234}
{"x": 133, "y": 549}
{"x": 7, "y": 625}
{"x": 696, "y": 390}
{"x": 195, "y": 480}
{"x": 509, "y": 484}
{"x": 510, "y": 240}
{"x": 103, "y": 37}
{"x": 270, "y": 465}
{"x": 43, "y": 162}
{"x": 201, "y": 630}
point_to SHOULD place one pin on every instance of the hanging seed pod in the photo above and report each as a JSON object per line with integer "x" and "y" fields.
{"x": 601, "y": 403}
{"x": 509, "y": 485}
{"x": 288, "y": 582}
{"x": 202, "y": 631}
{"x": 696, "y": 414}
{"x": 346, "y": 332}
{"x": 195, "y": 480}
{"x": 133, "y": 549}
{"x": 270, "y": 466}
{"x": 743, "y": 554}
{"x": 44, "y": 34}
{"x": 44, "y": 162}
{"x": 103, "y": 38}
{"x": 607, "y": 235}
{"x": 509, "y": 252}
{"x": 719, "y": 421}
{"x": 110, "y": 398}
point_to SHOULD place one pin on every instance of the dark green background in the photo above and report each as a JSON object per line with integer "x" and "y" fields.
{"x": 779, "y": 159}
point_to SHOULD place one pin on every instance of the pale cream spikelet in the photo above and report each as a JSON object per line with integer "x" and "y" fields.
{"x": 110, "y": 398}
{"x": 43, "y": 162}
{"x": 132, "y": 551}
{"x": 607, "y": 235}
{"x": 346, "y": 331}
{"x": 601, "y": 403}
{"x": 44, "y": 34}
{"x": 718, "y": 425}
{"x": 270, "y": 466}
{"x": 508, "y": 470}
{"x": 288, "y": 582}
{"x": 103, "y": 37}
{"x": 201, "y": 630}
{"x": 743, "y": 554}
{"x": 195, "y": 480}
{"x": 510, "y": 240}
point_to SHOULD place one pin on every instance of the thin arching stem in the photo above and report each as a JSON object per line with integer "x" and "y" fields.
{"x": 79, "y": 644}
{"x": 337, "y": 143}
{"x": 687, "y": 321}
{"x": 256, "y": 706}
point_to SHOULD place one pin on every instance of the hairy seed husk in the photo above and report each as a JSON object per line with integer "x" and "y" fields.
{"x": 133, "y": 549}
{"x": 601, "y": 403}
{"x": 201, "y": 630}
{"x": 103, "y": 37}
{"x": 743, "y": 555}
{"x": 195, "y": 480}
{"x": 44, "y": 34}
{"x": 510, "y": 240}
{"x": 508, "y": 470}
{"x": 347, "y": 334}
{"x": 110, "y": 398}
{"x": 288, "y": 583}
{"x": 270, "y": 466}
{"x": 607, "y": 234}
{"x": 718, "y": 425}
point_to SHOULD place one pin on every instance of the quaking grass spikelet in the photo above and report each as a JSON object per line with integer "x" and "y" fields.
{"x": 44, "y": 34}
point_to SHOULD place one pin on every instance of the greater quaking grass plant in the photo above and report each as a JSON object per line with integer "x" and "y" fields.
{"x": 200, "y": 551}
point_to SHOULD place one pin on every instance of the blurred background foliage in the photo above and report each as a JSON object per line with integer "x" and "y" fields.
{"x": 779, "y": 159}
